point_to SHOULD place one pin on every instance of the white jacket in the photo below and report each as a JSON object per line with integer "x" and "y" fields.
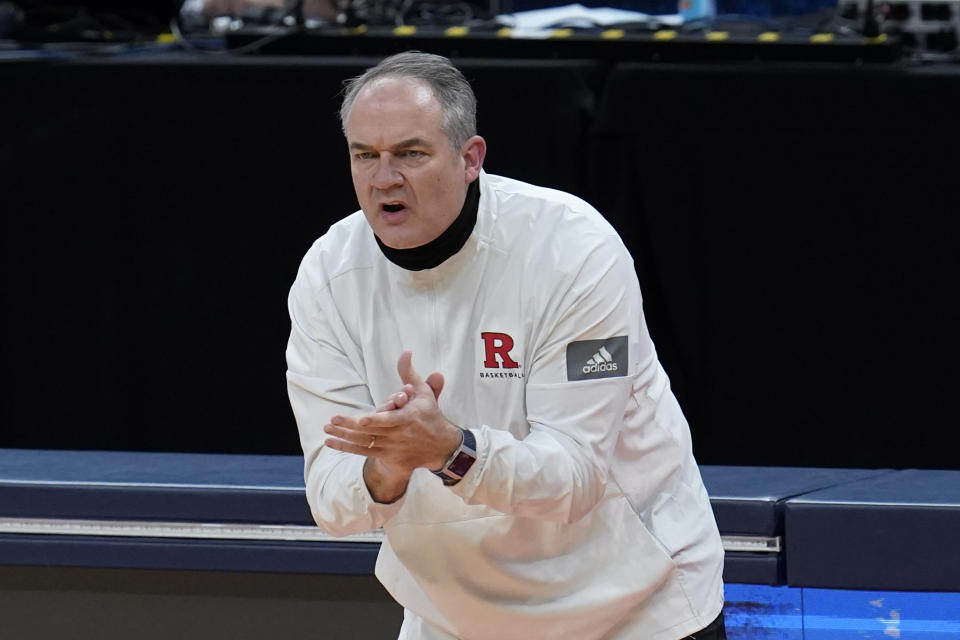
{"x": 584, "y": 515}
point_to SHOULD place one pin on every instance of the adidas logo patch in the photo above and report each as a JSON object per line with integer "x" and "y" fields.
{"x": 601, "y": 361}
{"x": 590, "y": 359}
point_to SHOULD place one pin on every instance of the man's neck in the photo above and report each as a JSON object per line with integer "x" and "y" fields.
{"x": 435, "y": 252}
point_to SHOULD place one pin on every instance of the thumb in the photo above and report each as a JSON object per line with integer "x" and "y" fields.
{"x": 435, "y": 382}
{"x": 406, "y": 371}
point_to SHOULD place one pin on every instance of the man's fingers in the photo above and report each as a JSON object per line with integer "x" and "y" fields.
{"x": 401, "y": 398}
{"x": 435, "y": 382}
{"x": 376, "y": 421}
{"x": 362, "y": 449}
{"x": 371, "y": 423}
{"x": 368, "y": 423}
{"x": 396, "y": 401}
{"x": 358, "y": 437}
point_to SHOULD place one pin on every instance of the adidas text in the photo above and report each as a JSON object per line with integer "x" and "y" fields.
{"x": 603, "y": 366}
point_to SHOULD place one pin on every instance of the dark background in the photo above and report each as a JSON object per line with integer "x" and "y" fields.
{"x": 793, "y": 226}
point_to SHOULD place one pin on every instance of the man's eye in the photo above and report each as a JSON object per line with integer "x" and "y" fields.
{"x": 364, "y": 155}
{"x": 413, "y": 153}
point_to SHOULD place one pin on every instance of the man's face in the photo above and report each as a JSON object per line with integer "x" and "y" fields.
{"x": 410, "y": 183}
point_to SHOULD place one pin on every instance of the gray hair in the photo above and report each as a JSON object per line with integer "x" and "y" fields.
{"x": 449, "y": 87}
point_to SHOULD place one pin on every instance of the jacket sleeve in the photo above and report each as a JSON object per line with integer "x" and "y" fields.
{"x": 325, "y": 377}
{"x": 560, "y": 470}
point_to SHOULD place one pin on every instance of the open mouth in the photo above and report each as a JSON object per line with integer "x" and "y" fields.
{"x": 393, "y": 207}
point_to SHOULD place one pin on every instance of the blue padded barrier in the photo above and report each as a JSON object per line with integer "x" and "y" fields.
{"x": 750, "y": 500}
{"x": 898, "y": 531}
{"x": 329, "y": 558}
{"x": 152, "y": 486}
{"x": 745, "y": 567}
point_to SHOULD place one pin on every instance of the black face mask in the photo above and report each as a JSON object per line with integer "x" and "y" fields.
{"x": 433, "y": 253}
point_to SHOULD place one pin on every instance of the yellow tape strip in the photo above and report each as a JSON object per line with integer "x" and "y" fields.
{"x": 717, "y": 36}
{"x": 768, "y": 36}
{"x": 821, "y": 38}
{"x": 612, "y": 34}
{"x": 405, "y": 30}
{"x": 665, "y": 34}
{"x": 457, "y": 32}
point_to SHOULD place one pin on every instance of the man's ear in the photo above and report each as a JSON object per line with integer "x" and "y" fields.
{"x": 474, "y": 151}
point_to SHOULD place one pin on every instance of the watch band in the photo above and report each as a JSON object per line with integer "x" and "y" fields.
{"x": 462, "y": 459}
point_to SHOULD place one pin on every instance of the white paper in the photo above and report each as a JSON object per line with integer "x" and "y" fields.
{"x": 575, "y": 16}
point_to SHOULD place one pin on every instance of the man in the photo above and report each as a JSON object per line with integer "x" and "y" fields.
{"x": 540, "y": 484}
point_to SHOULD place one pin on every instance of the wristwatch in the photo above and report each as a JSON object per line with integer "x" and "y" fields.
{"x": 462, "y": 459}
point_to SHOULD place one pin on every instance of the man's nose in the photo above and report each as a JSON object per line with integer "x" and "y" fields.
{"x": 385, "y": 174}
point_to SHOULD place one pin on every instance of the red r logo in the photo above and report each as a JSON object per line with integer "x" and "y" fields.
{"x": 498, "y": 344}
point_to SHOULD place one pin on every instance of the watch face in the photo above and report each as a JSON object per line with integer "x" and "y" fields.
{"x": 461, "y": 464}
